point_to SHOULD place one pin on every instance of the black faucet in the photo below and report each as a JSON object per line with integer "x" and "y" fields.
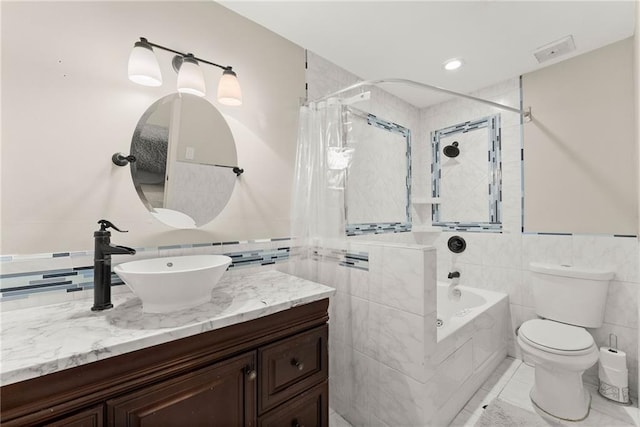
{"x": 453, "y": 275}
{"x": 102, "y": 264}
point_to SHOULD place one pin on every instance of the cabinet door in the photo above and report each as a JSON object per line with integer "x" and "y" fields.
{"x": 222, "y": 395}
{"x": 93, "y": 417}
{"x": 309, "y": 409}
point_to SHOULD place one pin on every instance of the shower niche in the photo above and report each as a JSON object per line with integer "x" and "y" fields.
{"x": 466, "y": 176}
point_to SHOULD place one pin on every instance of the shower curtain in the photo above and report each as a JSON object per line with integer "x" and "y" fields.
{"x": 318, "y": 214}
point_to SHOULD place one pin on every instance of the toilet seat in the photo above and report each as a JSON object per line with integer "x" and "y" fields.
{"x": 557, "y": 338}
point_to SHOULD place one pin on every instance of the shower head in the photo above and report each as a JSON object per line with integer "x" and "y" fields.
{"x": 451, "y": 150}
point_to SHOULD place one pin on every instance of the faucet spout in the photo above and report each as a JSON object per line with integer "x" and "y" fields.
{"x": 102, "y": 265}
{"x": 118, "y": 250}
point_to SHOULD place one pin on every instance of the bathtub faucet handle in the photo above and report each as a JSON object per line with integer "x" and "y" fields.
{"x": 453, "y": 275}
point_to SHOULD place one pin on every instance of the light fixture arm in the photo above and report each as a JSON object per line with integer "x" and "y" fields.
{"x": 144, "y": 40}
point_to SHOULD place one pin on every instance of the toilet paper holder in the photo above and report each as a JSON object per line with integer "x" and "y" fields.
{"x": 613, "y": 348}
{"x": 613, "y": 373}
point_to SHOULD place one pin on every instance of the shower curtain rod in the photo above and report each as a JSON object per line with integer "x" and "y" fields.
{"x": 525, "y": 113}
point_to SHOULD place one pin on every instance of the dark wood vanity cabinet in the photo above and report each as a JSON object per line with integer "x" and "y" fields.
{"x": 92, "y": 417}
{"x": 272, "y": 371}
{"x": 222, "y": 394}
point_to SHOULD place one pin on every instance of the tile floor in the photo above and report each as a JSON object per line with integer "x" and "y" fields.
{"x": 512, "y": 381}
{"x": 335, "y": 420}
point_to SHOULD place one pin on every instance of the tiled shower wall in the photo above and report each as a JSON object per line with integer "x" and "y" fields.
{"x": 324, "y": 77}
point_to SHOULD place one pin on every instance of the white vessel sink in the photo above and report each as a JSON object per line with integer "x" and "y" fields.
{"x": 173, "y": 283}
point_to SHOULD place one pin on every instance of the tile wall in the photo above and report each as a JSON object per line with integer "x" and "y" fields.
{"x": 381, "y": 332}
{"x": 323, "y": 77}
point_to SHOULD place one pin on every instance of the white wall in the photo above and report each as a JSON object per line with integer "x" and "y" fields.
{"x": 68, "y": 106}
{"x": 580, "y": 162}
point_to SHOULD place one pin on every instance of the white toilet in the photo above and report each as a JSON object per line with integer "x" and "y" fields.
{"x": 568, "y": 299}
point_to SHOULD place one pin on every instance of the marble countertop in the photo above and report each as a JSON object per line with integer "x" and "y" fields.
{"x": 41, "y": 340}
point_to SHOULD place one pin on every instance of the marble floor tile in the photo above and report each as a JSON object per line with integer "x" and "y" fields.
{"x": 597, "y": 419}
{"x": 627, "y": 413}
{"x": 524, "y": 374}
{"x": 501, "y": 376}
{"x": 466, "y": 418}
{"x": 517, "y": 393}
{"x": 481, "y": 398}
{"x": 335, "y": 420}
{"x": 512, "y": 382}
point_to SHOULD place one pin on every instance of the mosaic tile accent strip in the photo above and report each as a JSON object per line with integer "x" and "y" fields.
{"x": 257, "y": 258}
{"x": 471, "y": 227}
{"x": 357, "y": 260}
{"x": 378, "y": 228}
{"x": 21, "y": 285}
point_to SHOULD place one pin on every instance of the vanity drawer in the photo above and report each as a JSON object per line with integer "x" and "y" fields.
{"x": 309, "y": 409}
{"x": 290, "y": 366}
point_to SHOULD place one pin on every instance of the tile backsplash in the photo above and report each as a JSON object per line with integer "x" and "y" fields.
{"x": 48, "y": 277}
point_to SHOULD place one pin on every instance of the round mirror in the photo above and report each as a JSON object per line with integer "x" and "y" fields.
{"x": 185, "y": 159}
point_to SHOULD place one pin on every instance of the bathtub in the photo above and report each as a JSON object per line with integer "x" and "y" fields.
{"x": 460, "y": 305}
{"x": 472, "y": 328}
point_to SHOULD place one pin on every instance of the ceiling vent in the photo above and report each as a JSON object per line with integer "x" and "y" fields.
{"x": 555, "y": 49}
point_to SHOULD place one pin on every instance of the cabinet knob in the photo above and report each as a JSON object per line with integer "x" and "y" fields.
{"x": 298, "y": 364}
{"x": 251, "y": 374}
{"x": 295, "y": 423}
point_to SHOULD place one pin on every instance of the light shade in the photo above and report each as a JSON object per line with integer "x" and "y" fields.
{"x": 229, "y": 92}
{"x": 143, "y": 65}
{"x": 190, "y": 78}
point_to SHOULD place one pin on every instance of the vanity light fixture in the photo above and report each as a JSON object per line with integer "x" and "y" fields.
{"x": 144, "y": 70}
{"x": 452, "y": 64}
{"x": 190, "y": 77}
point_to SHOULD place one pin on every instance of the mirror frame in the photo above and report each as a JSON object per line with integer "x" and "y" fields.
{"x": 492, "y": 123}
{"x": 355, "y": 229}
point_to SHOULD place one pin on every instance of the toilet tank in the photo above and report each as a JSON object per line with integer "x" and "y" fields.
{"x": 569, "y": 294}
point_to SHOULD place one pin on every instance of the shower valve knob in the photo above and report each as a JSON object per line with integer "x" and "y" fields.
{"x": 456, "y": 244}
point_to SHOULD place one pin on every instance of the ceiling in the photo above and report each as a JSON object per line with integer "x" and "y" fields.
{"x": 411, "y": 40}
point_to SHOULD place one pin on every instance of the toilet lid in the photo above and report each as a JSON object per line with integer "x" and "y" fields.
{"x": 556, "y": 336}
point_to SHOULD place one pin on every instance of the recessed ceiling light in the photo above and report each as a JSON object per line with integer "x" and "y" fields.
{"x": 452, "y": 64}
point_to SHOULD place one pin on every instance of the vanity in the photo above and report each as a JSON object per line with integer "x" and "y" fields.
{"x": 256, "y": 355}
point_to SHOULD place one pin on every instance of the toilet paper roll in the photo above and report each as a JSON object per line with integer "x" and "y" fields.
{"x": 611, "y": 358}
{"x": 619, "y": 378}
